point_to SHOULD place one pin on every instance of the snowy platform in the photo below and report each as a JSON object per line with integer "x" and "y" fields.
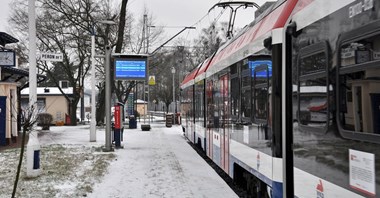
{"x": 155, "y": 163}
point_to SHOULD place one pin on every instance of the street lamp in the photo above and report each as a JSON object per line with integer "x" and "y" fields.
{"x": 107, "y": 88}
{"x": 33, "y": 146}
{"x": 173, "y": 72}
{"x": 93, "y": 108}
{"x": 155, "y": 105}
{"x": 108, "y": 82}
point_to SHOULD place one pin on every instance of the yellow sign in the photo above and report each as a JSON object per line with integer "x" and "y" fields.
{"x": 152, "y": 80}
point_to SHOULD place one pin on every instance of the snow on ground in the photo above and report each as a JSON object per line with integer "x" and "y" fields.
{"x": 155, "y": 163}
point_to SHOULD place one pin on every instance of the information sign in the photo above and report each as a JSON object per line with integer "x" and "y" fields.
{"x": 131, "y": 68}
{"x": 53, "y": 57}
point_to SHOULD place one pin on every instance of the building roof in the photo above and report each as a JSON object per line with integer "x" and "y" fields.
{"x": 12, "y": 74}
{"x": 48, "y": 91}
{"x": 6, "y": 39}
{"x": 139, "y": 101}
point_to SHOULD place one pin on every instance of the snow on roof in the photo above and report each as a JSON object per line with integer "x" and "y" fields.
{"x": 139, "y": 101}
{"x": 48, "y": 91}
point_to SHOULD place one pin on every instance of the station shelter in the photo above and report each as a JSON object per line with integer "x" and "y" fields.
{"x": 12, "y": 81}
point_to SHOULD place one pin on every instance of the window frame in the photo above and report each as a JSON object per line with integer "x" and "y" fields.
{"x": 308, "y": 51}
{"x": 246, "y": 73}
{"x": 363, "y": 32}
{"x": 260, "y": 85}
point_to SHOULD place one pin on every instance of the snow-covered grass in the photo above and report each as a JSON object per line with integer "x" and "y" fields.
{"x": 68, "y": 171}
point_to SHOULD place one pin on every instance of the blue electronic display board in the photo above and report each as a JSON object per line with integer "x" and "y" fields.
{"x": 262, "y": 73}
{"x": 130, "y": 69}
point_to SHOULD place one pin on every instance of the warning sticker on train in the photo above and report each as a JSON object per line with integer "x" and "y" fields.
{"x": 362, "y": 171}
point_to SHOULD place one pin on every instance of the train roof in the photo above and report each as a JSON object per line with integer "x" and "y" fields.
{"x": 250, "y": 40}
{"x": 189, "y": 78}
{"x": 202, "y": 70}
{"x": 247, "y": 42}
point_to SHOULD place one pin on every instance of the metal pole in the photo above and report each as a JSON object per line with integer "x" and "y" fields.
{"x": 145, "y": 106}
{"x": 33, "y": 146}
{"x": 173, "y": 93}
{"x": 32, "y": 58}
{"x": 108, "y": 99}
{"x": 93, "y": 108}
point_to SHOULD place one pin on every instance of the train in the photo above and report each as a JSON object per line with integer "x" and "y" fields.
{"x": 290, "y": 106}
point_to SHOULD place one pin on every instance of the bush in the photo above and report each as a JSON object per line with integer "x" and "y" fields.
{"x": 59, "y": 123}
{"x": 44, "y": 120}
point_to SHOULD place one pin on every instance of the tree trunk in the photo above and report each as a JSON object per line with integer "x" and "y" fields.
{"x": 100, "y": 107}
{"x": 19, "y": 162}
{"x": 73, "y": 115}
{"x": 120, "y": 33}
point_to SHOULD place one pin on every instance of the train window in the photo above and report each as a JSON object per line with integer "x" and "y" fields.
{"x": 210, "y": 105}
{"x": 312, "y": 64}
{"x": 313, "y": 93}
{"x": 246, "y": 106}
{"x": 199, "y": 100}
{"x": 235, "y": 96}
{"x": 246, "y": 103}
{"x": 261, "y": 74}
{"x": 261, "y": 102}
{"x": 313, "y": 102}
{"x": 359, "y": 86}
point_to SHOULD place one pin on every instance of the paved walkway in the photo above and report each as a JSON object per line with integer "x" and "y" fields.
{"x": 160, "y": 163}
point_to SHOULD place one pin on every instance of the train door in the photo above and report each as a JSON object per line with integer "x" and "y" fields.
{"x": 209, "y": 120}
{"x": 334, "y": 71}
{"x": 3, "y": 141}
{"x": 224, "y": 132}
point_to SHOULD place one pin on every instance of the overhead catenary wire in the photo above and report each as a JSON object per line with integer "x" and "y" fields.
{"x": 198, "y": 24}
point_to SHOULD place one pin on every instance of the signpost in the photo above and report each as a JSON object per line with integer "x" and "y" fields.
{"x": 152, "y": 80}
{"x": 53, "y": 57}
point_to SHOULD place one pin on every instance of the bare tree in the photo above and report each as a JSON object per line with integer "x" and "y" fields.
{"x": 208, "y": 42}
{"x": 130, "y": 40}
{"x": 62, "y": 26}
{"x": 30, "y": 121}
{"x": 161, "y": 67}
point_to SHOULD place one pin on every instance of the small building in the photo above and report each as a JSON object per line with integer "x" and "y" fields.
{"x": 50, "y": 100}
{"x": 141, "y": 106}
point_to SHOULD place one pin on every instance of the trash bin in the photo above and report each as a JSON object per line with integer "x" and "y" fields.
{"x": 132, "y": 122}
{"x": 169, "y": 120}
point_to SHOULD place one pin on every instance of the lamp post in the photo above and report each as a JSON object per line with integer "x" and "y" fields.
{"x": 33, "y": 146}
{"x": 173, "y": 72}
{"x": 93, "y": 109}
{"x": 108, "y": 82}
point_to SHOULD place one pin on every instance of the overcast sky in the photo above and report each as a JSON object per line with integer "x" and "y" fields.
{"x": 170, "y": 13}
{"x": 189, "y": 13}
{"x": 4, "y": 12}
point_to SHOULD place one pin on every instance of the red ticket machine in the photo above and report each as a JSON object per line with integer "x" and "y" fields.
{"x": 118, "y": 125}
